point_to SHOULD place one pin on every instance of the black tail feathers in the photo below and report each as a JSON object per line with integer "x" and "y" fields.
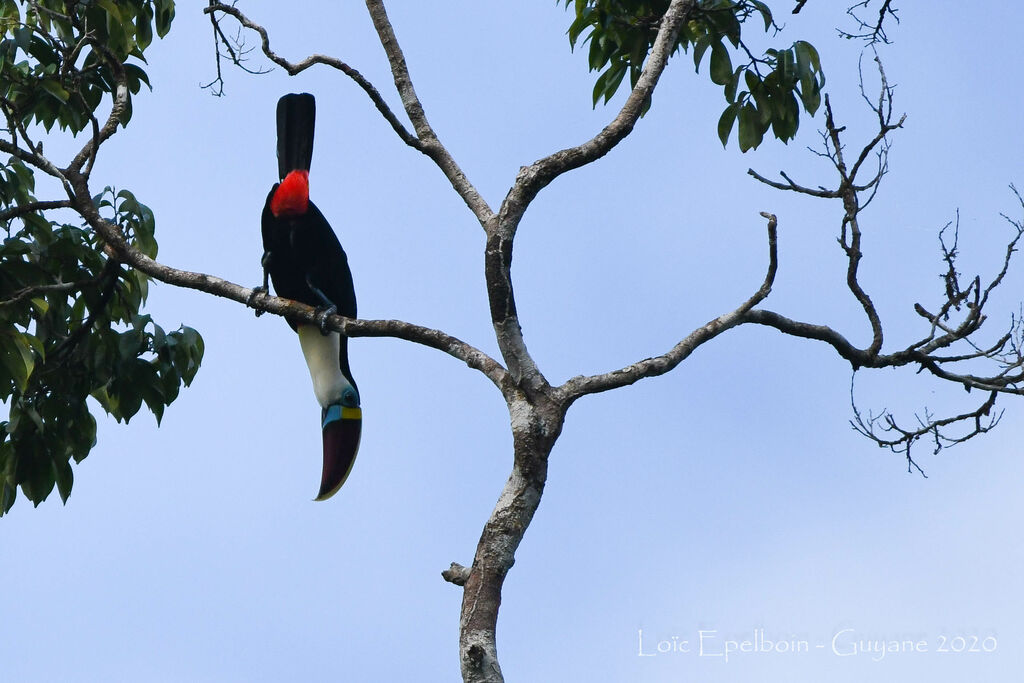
{"x": 296, "y": 118}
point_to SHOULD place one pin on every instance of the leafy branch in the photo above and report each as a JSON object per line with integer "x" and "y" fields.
{"x": 621, "y": 34}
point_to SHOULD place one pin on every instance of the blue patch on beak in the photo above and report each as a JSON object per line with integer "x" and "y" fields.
{"x": 331, "y": 414}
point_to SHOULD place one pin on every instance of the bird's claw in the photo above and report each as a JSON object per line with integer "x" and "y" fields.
{"x": 323, "y": 314}
{"x": 256, "y": 291}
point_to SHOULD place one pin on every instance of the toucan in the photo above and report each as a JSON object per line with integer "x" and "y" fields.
{"x": 304, "y": 259}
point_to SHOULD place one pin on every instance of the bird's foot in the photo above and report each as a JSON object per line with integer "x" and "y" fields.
{"x": 323, "y": 313}
{"x": 256, "y": 291}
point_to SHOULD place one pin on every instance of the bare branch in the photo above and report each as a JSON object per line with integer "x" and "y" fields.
{"x": 29, "y": 292}
{"x": 792, "y": 186}
{"x": 35, "y": 159}
{"x": 883, "y": 109}
{"x": 1010, "y": 249}
{"x": 943, "y": 332}
{"x": 856, "y": 357}
{"x": 294, "y": 68}
{"x": 32, "y": 207}
{"x": 425, "y": 140}
{"x": 883, "y": 429}
{"x": 430, "y": 145}
{"x": 237, "y": 52}
{"x": 659, "y": 365}
{"x": 848, "y": 191}
{"x": 16, "y": 126}
{"x": 873, "y": 32}
{"x": 1006, "y": 352}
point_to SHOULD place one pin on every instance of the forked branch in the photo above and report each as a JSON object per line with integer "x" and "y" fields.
{"x": 873, "y": 29}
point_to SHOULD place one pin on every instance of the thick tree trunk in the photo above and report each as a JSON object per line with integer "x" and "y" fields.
{"x": 534, "y": 429}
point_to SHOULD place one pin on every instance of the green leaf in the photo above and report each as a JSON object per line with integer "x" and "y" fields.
{"x": 766, "y": 13}
{"x": 750, "y": 131}
{"x": 34, "y": 343}
{"x": 811, "y": 99}
{"x": 808, "y": 69}
{"x": 597, "y": 56}
{"x": 617, "y": 72}
{"x": 804, "y": 70}
{"x": 8, "y": 494}
{"x": 726, "y": 122}
{"x": 17, "y": 358}
{"x": 784, "y": 125}
{"x": 809, "y": 52}
{"x": 144, "y": 27}
{"x": 721, "y": 65}
{"x": 786, "y": 68}
{"x": 599, "y": 86}
{"x": 733, "y": 84}
{"x": 63, "y": 477}
{"x": 699, "y": 48}
{"x": 136, "y": 75}
{"x": 752, "y": 81}
{"x": 22, "y": 37}
{"x": 55, "y": 89}
{"x": 9, "y": 10}
{"x": 164, "y": 16}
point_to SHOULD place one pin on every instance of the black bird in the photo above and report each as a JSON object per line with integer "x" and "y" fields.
{"x": 304, "y": 259}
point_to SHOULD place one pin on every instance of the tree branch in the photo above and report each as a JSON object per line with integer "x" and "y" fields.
{"x": 429, "y": 142}
{"x": 425, "y": 140}
{"x": 533, "y": 178}
{"x": 125, "y": 252}
{"x": 877, "y": 427}
{"x": 659, "y": 365}
{"x": 843, "y": 347}
{"x": 117, "y": 111}
{"x": 293, "y": 68}
{"x": 456, "y": 574}
{"x": 536, "y": 424}
{"x": 29, "y": 292}
{"x": 34, "y": 159}
{"x": 32, "y": 207}
{"x": 848, "y": 191}
{"x": 873, "y": 32}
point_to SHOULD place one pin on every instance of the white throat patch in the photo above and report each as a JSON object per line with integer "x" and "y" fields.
{"x": 321, "y": 352}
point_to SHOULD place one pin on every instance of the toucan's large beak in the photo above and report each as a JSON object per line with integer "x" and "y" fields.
{"x": 341, "y": 426}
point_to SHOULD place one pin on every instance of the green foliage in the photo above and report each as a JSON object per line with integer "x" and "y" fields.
{"x": 49, "y": 74}
{"x": 622, "y": 32}
{"x": 72, "y": 332}
{"x": 71, "y": 328}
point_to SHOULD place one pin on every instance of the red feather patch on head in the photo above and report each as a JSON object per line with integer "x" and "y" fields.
{"x": 292, "y": 196}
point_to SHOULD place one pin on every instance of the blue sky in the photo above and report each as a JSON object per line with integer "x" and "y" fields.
{"x": 729, "y": 497}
